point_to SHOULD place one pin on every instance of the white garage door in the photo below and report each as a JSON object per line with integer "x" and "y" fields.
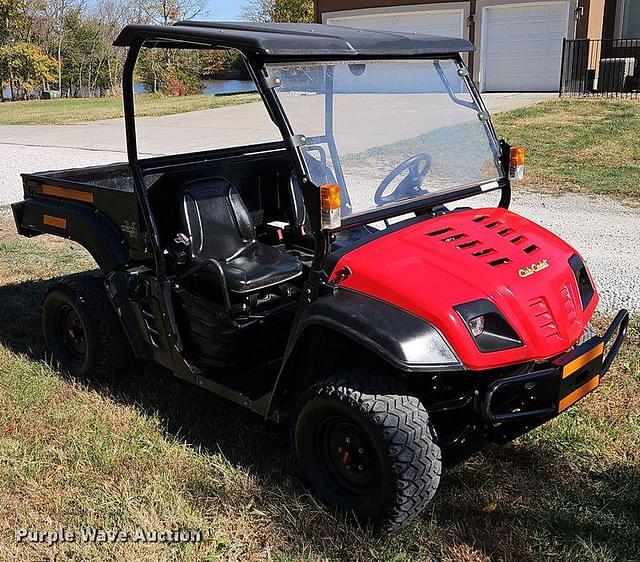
{"x": 434, "y": 22}
{"x": 522, "y": 46}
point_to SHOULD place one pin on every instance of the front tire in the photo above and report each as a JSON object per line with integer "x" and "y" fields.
{"x": 368, "y": 448}
{"x": 81, "y": 329}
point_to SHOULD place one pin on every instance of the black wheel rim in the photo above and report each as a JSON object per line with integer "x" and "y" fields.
{"x": 70, "y": 334}
{"x": 347, "y": 456}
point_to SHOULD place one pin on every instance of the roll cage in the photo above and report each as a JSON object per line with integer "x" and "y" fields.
{"x": 259, "y": 44}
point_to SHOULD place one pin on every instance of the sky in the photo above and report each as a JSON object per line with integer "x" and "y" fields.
{"x": 224, "y": 10}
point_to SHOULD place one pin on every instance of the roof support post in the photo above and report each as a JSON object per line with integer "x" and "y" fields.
{"x": 132, "y": 153}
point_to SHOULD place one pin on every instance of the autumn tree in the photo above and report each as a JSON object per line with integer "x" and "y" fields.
{"x": 283, "y": 11}
{"x": 26, "y": 67}
{"x": 166, "y": 12}
{"x": 23, "y": 64}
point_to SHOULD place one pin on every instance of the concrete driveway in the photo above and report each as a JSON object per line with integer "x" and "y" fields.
{"x": 605, "y": 232}
{"x": 32, "y": 148}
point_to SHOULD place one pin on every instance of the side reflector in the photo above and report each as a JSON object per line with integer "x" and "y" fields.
{"x": 57, "y": 222}
{"x": 330, "y": 205}
{"x": 516, "y": 163}
{"x": 68, "y": 193}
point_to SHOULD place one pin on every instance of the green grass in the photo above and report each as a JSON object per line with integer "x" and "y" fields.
{"x": 68, "y": 111}
{"x": 146, "y": 450}
{"x": 589, "y": 146}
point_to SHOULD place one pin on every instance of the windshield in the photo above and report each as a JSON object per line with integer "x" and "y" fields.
{"x": 387, "y": 131}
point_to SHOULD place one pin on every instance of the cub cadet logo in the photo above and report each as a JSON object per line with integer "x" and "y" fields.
{"x": 533, "y": 268}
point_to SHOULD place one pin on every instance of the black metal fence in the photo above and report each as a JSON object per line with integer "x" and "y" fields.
{"x": 608, "y": 68}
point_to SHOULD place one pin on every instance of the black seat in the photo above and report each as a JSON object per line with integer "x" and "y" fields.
{"x": 219, "y": 227}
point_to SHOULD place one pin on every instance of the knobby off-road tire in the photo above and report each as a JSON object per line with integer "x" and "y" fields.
{"x": 81, "y": 329}
{"x": 368, "y": 448}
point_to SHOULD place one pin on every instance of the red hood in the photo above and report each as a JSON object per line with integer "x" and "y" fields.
{"x": 429, "y": 267}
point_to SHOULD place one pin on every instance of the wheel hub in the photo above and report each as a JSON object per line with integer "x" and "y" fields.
{"x": 71, "y": 334}
{"x": 347, "y": 454}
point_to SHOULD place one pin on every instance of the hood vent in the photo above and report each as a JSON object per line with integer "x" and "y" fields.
{"x": 567, "y": 301}
{"x": 479, "y": 248}
{"x": 543, "y": 318}
{"x": 440, "y": 231}
{"x": 501, "y": 261}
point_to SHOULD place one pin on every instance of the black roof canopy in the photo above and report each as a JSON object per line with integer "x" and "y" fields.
{"x": 291, "y": 39}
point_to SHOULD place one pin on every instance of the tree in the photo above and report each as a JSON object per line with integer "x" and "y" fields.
{"x": 166, "y": 12}
{"x": 22, "y": 63}
{"x": 58, "y": 11}
{"x": 284, "y": 11}
{"x": 26, "y": 65}
{"x": 173, "y": 72}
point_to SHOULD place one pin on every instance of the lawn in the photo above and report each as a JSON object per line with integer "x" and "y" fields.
{"x": 589, "y": 146}
{"x": 146, "y": 450}
{"x": 67, "y": 111}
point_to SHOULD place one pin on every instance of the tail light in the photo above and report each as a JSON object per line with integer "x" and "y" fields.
{"x": 330, "y": 206}
{"x": 516, "y": 163}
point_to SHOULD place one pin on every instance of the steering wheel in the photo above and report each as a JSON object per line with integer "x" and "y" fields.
{"x": 418, "y": 167}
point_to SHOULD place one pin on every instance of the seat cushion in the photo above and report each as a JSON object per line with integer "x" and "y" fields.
{"x": 257, "y": 267}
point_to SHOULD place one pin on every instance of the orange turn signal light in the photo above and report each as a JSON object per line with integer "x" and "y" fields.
{"x": 330, "y": 205}
{"x": 329, "y": 196}
{"x": 516, "y": 163}
{"x": 516, "y": 158}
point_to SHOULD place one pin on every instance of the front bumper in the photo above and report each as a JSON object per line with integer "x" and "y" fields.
{"x": 535, "y": 397}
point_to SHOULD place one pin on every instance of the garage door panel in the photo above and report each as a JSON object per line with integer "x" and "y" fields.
{"x": 435, "y": 22}
{"x": 522, "y": 46}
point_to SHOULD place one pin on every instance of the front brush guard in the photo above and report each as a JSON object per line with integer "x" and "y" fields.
{"x": 503, "y": 393}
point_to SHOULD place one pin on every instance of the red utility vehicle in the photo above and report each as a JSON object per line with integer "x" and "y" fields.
{"x": 332, "y": 280}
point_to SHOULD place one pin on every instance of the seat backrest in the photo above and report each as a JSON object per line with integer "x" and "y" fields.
{"x": 215, "y": 219}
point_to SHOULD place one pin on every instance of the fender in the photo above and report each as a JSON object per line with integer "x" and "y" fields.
{"x": 404, "y": 341}
{"x": 75, "y": 221}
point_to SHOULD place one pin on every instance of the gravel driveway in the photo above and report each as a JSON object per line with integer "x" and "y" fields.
{"x": 605, "y": 232}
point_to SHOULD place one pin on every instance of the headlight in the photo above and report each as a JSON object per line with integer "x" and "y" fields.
{"x": 476, "y": 325}
{"x": 582, "y": 279}
{"x": 487, "y": 326}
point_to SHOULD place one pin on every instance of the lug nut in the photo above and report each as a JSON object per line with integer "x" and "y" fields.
{"x": 360, "y": 451}
{"x": 340, "y": 449}
{"x": 360, "y": 467}
{"x": 348, "y": 440}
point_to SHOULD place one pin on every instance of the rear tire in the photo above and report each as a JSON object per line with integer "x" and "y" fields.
{"x": 81, "y": 329}
{"x": 368, "y": 448}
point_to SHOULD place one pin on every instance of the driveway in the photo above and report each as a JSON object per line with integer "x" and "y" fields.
{"x": 605, "y": 232}
{"x": 31, "y": 148}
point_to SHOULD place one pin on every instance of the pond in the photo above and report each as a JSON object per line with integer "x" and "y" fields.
{"x": 209, "y": 87}
{"x": 216, "y": 87}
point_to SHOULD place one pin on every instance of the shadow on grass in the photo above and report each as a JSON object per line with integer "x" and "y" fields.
{"x": 510, "y": 503}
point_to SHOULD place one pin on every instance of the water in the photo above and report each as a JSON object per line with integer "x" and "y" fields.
{"x": 210, "y": 87}
{"x": 228, "y": 86}
{"x": 215, "y": 87}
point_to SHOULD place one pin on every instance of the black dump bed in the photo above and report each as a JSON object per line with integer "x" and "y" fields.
{"x": 95, "y": 206}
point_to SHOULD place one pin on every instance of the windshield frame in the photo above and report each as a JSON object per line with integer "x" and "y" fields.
{"x": 415, "y": 204}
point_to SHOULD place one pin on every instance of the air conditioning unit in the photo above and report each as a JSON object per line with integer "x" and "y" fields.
{"x": 614, "y": 73}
